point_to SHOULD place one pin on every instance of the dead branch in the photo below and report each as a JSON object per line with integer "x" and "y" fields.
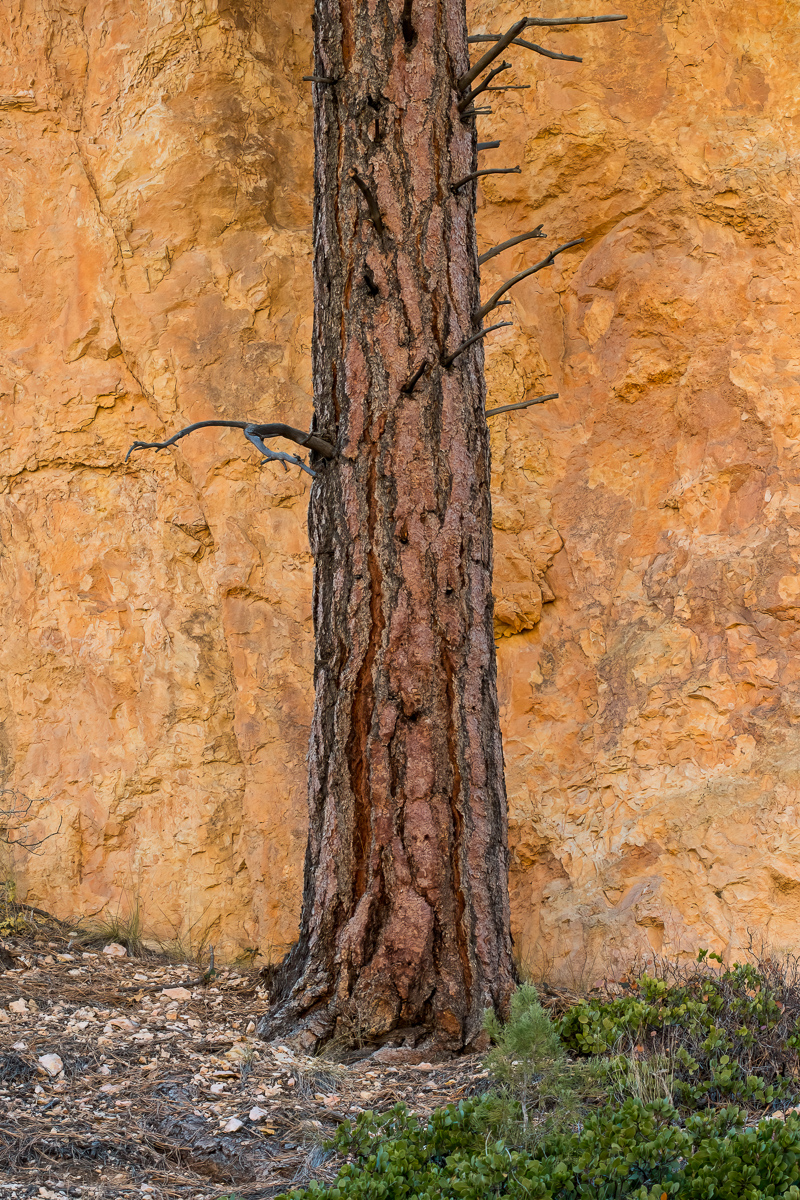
{"x": 450, "y": 359}
{"x": 488, "y": 145}
{"x": 550, "y": 21}
{"x": 475, "y": 112}
{"x": 487, "y": 171}
{"x": 317, "y": 79}
{"x": 467, "y": 99}
{"x": 510, "y": 87}
{"x": 523, "y": 237}
{"x": 255, "y": 434}
{"x": 411, "y": 383}
{"x": 483, "y": 62}
{"x": 490, "y": 37}
{"x": 372, "y": 203}
{"x": 492, "y": 301}
{"x": 15, "y": 811}
{"x": 492, "y": 412}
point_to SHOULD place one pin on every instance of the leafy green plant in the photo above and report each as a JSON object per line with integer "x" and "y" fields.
{"x": 731, "y": 1036}
{"x": 645, "y": 1152}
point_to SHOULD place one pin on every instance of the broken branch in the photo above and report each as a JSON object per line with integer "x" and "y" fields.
{"x": 475, "y": 112}
{"x": 317, "y": 79}
{"x": 523, "y": 237}
{"x": 488, "y": 145}
{"x": 467, "y": 99}
{"x": 492, "y": 412}
{"x": 450, "y": 359}
{"x": 255, "y": 434}
{"x": 490, "y": 37}
{"x": 510, "y": 87}
{"x": 492, "y": 301}
{"x": 372, "y": 204}
{"x": 487, "y": 171}
{"x": 411, "y": 383}
{"x": 490, "y": 55}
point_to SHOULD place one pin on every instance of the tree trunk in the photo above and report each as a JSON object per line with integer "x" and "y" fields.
{"x": 405, "y": 916}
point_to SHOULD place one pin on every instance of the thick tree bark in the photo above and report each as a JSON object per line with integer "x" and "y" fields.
{"x": 405, "y": 914}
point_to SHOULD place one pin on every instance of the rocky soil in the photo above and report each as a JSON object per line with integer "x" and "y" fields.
{"x": 125, "y": 1076}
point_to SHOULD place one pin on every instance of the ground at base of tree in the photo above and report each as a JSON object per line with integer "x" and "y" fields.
{"x": 112, "y": 1088}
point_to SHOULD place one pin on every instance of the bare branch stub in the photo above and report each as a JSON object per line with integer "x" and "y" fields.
{"x": 488, "y": 145}
{"x": 372, "y": 203}
{"x": 469, "y": 96}
{"x": 255, "y": 434}
{"x": 492, "y": 412}
{"x": 450, "y": 358}
{"x": 483, "y": 62}
{"x": 475, "y": 112}
{"x": 318, "y": 79}
{"x": 410, "y": 384}
{"x": 522, "y": 237}
{"x": 487, "y": 171}
{"x": 486, "y": 308}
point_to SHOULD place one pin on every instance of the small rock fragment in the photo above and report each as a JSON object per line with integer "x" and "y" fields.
{"x": 257, "y": 1113}
{"x": 114, "y": 950}
{"x": 18, "y": 1006}
{"x": 51, "y": 1063}
{"x": 232, "y": 1124}
{"x": 177, "y": 993}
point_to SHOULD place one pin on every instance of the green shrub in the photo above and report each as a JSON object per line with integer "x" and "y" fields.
{"x": 728, "y": 1037}
{"x": 645, "y": 1152}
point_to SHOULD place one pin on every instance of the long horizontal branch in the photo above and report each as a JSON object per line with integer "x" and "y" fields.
{"x": 492, "y": 412}
{"x": 274, "y": 429}
{"x": 501, "y": 291}
{"x": 450, "y": 359}
{"x": 523, "y": 237}
{"x": 486, "y": 171}
{"x": 490, "y": 37}
{"x": 466, "y": 79}
{"x": 574, "y": 20}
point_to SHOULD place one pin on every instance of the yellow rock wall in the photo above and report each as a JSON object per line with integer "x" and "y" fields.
{"x": 156, "y": 652}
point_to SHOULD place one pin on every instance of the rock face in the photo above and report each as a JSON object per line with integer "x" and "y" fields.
{"x": 155, "y": 270}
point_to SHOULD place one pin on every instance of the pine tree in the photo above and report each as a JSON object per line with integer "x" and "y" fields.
{"x": 405, "y": 923}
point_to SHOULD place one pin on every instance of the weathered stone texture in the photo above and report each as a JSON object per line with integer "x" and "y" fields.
{"x": 155, "y": 269}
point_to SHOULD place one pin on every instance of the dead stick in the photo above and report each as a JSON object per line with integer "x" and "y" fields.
{"x": 372, "y": 204}
{"x": 510, "y": 87}
{"x": 411, "y": 383}
{"x": 492, "y": 412}
{"x": 275, "y": 429}
{"x": 523, "y": 237}
{"x": 489, "y": 37}
{"x": 450, "y": 359}
{"x": 466, "y": 100}
{"x": 488, "y": 145}
{"x": 490, "y": 55}
{"x": 317, "y": 79}
{"x": 492, "y": 301}
{"x": 487, "y": 171}
{"x": 475, "y": 112}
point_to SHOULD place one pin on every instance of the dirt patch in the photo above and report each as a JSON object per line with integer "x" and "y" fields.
{"x": 110, "y": 1087}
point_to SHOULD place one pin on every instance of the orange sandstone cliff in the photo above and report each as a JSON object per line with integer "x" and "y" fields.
{"x": 156, "y": 638}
